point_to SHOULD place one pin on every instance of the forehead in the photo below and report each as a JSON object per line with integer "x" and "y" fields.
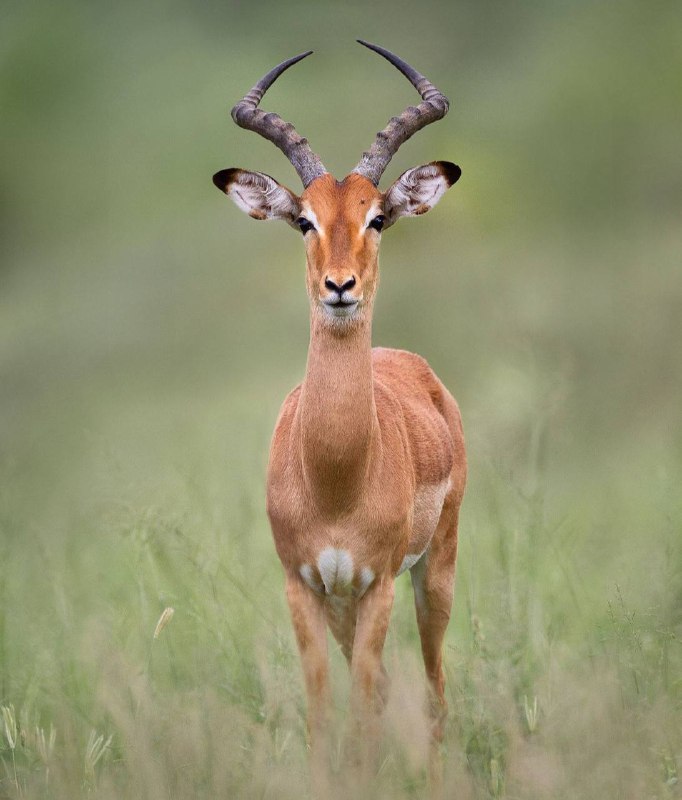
{"x": 352, "y": 197}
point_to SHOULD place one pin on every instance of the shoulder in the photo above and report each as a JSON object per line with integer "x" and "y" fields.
{"x": 408, "y": 373}
{"x": 280, "y": 463}
{"x": 406, "y": 388}
{"x": 388, "y": 358}
{"x": 288, "y": 410}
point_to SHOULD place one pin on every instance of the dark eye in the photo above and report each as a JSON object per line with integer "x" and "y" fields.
{"x": 305, "y": 225}
{"x": 378, "y": 222}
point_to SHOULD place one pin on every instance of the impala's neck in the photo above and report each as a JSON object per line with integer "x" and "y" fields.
{"x": 337, "y": 415}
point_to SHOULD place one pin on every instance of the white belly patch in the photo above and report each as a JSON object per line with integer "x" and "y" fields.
{"x": 306, "y": 572}
{"x": 366, "y": 579}
{"x": 428, "y": 504}
{"x": 336, "y": 571}
{"x": 409, "y": 561}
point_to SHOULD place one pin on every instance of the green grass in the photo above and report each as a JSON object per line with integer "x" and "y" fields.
{"x": 563, "y": 657}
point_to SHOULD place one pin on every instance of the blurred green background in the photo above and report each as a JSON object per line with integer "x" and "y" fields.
{"x": 149, "y": 331}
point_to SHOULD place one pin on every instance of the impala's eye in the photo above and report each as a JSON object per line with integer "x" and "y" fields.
{"x": 305, "y": 225}
{"x": 378, "y": 222}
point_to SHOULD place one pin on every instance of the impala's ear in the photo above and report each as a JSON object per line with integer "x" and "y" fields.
{"x": 258, "y": 194}
{"x": 419, "y": 189}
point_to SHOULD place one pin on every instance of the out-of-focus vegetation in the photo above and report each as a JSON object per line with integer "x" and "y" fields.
{"x": 149, "y": 330}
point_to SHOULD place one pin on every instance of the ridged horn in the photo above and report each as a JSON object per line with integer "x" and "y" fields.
{"x": 434, "y": 106}
{"x": 272, "y": 127}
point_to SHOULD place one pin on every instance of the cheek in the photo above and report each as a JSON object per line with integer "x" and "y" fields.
{"x": 313, "y": 260}
{"x": 366, "y": 260}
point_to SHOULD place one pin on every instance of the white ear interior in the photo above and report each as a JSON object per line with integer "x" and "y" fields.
{"x": 415, "y": 192}
{"x": 261, "y": 197}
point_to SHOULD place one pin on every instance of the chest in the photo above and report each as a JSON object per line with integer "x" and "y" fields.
{"x": 341, "y": 555}
{"x": 363, "y": 528}
{"x": 339, "y": 524}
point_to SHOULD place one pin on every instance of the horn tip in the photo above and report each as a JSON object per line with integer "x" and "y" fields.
{"x": 303, "y": 55}
{"x": 377, "y": 48}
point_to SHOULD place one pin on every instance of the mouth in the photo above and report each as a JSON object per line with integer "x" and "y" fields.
{"x": 339, "y": 307}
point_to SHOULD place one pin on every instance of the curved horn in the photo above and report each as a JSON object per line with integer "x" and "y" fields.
{"x": 272, "y": 127}
{"x": 434, "y": 106}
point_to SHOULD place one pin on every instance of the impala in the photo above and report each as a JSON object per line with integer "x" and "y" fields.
{"x": 367, "y": 465}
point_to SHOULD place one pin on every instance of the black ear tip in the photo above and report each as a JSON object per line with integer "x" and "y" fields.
{"x": 452, "y": 171}
{"x": 224, "y": 178}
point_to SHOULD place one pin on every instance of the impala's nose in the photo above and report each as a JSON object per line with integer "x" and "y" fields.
{"x": 349, "y": 283}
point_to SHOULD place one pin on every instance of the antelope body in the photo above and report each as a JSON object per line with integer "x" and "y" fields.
{"x": 367, "y": 465}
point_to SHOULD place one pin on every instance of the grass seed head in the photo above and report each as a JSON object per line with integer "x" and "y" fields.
{"x": 96, "y": 747}
{"x": 531, "y": 712}
{"x": 10, "y": 719}
{"x": 45, "y": 744}
{"x": 164, "y": 619}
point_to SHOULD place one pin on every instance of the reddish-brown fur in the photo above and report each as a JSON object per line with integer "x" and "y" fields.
{"x": 367, "y": 466}
{"x": 366, "y": 431}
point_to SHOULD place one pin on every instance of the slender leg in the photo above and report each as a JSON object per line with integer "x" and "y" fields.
{"x": 341, "y": 621}
{"x": 341, "y": 615}
{"x": 433, "y": 580}
{"x": 368, "y": 677}
{"x": 307, "y": 616}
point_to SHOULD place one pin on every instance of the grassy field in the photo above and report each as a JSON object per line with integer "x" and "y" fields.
{"x": 142, "y": 363}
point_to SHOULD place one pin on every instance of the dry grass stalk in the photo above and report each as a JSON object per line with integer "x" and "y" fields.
{"x": 10, "y": 719}
{"x": 531, "y": 712}
{"x": 96, "y": 747}
{"x": 45, "y": 744}
{"x": 164, "y": 619}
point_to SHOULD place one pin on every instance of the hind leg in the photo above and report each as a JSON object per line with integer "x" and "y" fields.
{"x": 368, "y": 677}
{"x": 341, "y": 619}
{"x": 341, "y": 615}
{"x": 433, "y": 581}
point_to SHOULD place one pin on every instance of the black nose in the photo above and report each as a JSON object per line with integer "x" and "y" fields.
{"x": 334, "y": 287}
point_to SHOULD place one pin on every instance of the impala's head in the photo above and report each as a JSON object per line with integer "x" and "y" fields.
{"x": 341, "y": 222}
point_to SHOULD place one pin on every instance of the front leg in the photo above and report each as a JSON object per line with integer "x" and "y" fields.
{"x": 368, "y": 678}
{"x": 307, "y": 616}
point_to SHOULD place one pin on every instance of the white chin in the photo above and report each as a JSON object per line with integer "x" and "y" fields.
{"x": 341, "y": 312}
